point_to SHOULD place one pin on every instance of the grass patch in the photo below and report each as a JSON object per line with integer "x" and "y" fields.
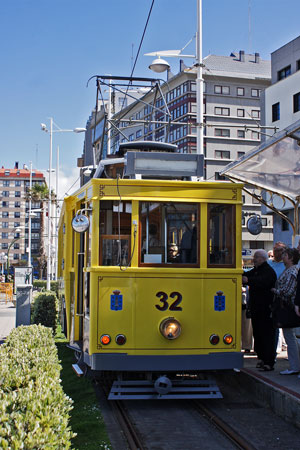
{"x": 86, "y": 419}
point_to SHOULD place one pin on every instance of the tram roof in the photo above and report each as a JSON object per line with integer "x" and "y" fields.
{"x": 272, "y": 166}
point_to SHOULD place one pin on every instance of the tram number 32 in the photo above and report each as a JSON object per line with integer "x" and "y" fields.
{"x": 163, "y": 298}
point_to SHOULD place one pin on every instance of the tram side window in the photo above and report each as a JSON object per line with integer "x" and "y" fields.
{"x": 221, "y": 233}
{"x": 169, "y": 233}
{"x": 115, "y": 232}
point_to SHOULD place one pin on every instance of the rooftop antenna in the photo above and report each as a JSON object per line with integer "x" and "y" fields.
{"x": 249, "y": 28}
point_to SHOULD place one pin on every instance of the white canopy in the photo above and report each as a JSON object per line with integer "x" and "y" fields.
{"x": 273, "y": 166}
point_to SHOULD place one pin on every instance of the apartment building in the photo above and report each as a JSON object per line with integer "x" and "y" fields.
{"x": 232, "y": 89}
{"x": 281, "y": 108}
{"x": 14, "y": 184}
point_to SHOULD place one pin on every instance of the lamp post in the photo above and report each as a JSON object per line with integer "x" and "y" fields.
{"x": 160, "y": 65}
{"x": 18, "y": 229}
{"x": 51, "y": 131}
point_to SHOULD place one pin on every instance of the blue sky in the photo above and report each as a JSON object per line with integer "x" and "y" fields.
{"x": 50, "y": 49}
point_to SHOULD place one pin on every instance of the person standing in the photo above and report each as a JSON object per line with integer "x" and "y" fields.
{"x": 276, "y": 262}
{"x": 278, "y": 265}
{"x": 261, "y": 279}
{"x": 285, "y": 290}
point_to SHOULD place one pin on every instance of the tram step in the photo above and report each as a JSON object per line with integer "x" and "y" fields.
{"x": 79, "y": 372}
{"x": 145, "y": 390}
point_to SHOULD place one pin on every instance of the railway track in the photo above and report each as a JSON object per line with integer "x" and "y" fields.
{"x": 139, "y": 437}
{"x": 236, "y": 438}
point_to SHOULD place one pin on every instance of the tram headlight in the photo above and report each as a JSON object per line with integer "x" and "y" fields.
{"x": 214, "y": 339}
{"x": 120, "y": 339}
{"x": 170, "y": 328}
{"x": 105, "y": 339}
{"x": 228, "y": 339}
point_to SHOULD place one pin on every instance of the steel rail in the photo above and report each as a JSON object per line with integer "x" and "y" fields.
{"x": 131, "y": 435}
{"x": 226, "y": 429}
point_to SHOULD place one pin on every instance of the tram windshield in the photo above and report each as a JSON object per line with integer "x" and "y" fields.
{"x": 169, "y": 233}
{"x": 115, "y": 232}
{"x": 221, "y": 235}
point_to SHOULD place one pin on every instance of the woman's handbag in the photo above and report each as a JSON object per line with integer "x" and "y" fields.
{"x": 284, "y": 315}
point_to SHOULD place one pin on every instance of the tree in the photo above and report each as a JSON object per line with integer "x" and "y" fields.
{"x": 40, "y": 193}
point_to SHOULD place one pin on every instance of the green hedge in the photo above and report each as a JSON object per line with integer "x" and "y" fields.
{"x": 34, "y": 411}
{"x": 45, "y": 310}
{"x": 42, "y": 285}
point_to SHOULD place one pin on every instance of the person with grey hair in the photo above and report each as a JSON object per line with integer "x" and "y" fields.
{"x": 261, "y": 279}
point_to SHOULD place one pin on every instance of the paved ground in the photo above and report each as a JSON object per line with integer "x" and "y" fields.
{"x": 7, "y": 318}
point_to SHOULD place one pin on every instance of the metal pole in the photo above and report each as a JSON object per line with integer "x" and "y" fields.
{"x": 199, "y": 81}
{"x": 49, "y": 211}
{"x": 29, "y": 218}
{"x": 109, "y": 118}
{"x": 56, "y": 214}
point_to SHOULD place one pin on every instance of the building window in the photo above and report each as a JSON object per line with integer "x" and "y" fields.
{"x": 241, "y": 113}
{"x": 225, "y": 90}
{"x": 5, "y": 193}
{"x": 222, "y": 132}
{"x": 17, "y": 204}
{"x": 17, "y": 215}
{"x": 255, "y": 113}
{"x": 5, "y": 214}
{"x": 16, "y": 246}
{"x": 239, "y": 154}
{"x": 276, "y": 112}
{"x": 298, "y": 64}
{"x": 16, "y": 224}
{"x": 296, "y": 101}
{"x": 257, "y": 245}
{"x": 4, "y": 246}
{"x": 4, "y": 224}
{"x": 18, "y": 183}
{"x": 5, "y": 235}
{"x": 240, "y": 91}
{"x": 6, "y": 173}
{"x": 16, "y": 255}
{"x": 138, "y": 134}
{"x": 222, "y": 154}
{"x": 255, "y": 92}
{"x": 17, "y": 193}
{"x": 243, "y": 199}
{"x": 6, "y": 183}
{"x": 5, "y": 204}
{"x": 255, "y": 135}
{"x": 264, "y": 221}
{"x": 222, "y": 111}
{"x": 241, "y": 134}
{"x": 131, "y": 137}
{"x": 283, "y": 73}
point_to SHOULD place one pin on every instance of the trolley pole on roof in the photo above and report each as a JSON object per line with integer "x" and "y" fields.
{"x": 160, "y": 65}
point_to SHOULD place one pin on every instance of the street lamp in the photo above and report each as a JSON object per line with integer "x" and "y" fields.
{"x": 51, "y": 131}
{"x": 17, "y": 230}
{"x": 160, "y": 65}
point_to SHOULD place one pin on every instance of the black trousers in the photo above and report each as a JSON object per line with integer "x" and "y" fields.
{"x": 264, "y": 337}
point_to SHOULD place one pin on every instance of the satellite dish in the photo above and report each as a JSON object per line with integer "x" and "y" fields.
{"x": 254, "y": 225}
{"x": 80, "y": 223}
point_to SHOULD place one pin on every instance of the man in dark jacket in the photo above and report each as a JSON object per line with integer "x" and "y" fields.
{"x": 261, "y": 280}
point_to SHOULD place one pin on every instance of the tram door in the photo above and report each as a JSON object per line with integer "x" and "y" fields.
{"x": 80, "y": 285}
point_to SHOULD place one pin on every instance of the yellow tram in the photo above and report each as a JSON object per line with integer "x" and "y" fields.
{"x": 151, "y": 272}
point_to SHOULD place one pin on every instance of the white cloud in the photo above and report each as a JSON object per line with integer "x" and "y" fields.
{"x": 68, "y": 182}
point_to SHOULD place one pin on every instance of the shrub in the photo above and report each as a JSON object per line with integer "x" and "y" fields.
{"x": 41, "y": 285}
{"x": 34, "y": 411}
{"x": 45, "y": 310}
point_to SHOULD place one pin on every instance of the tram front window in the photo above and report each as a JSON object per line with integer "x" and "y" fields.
{"x": 221, "y": 235}
{"x": 169, "y": 233}
{"x": 115, "y": 232}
